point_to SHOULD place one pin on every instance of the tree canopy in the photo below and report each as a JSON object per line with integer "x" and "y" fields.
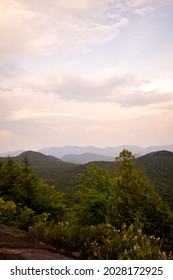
{"x": 117, "y": 212}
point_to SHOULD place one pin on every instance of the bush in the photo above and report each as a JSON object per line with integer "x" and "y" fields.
{"x": 7, "y": 212}
{"x": 25, "y": 218}
{"x": 101, "y": 241}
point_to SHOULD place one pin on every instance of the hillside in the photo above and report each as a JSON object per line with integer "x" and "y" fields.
{"x": 158, "y": 166}
{"x": 53, "y": 170}
{"x": 105, "y": 202}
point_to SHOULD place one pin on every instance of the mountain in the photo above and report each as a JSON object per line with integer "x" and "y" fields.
{"x": 60, "y": 152}
{"x": 53, "y": 170}
{"x": 158, "y": 166}
{"x": 85, "y": 158}
{"x": 12, "y": 154}
{"x": 76, "y": 150}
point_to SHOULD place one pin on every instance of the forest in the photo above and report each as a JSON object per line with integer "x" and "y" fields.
{"x": 113, "y": 214}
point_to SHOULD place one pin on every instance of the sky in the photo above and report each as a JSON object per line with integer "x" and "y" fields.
{"x": 85, "y": 72}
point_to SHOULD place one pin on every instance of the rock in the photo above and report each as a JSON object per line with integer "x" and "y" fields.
{"x": 76, "y": 254}
{"x": 15, "y": 246}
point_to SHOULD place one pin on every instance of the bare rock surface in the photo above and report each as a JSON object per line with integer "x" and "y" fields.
{"x": 15, "y": 246}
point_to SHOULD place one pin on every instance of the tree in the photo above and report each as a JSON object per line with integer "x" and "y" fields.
{"x": 139, "y": 203}
{"x": 28, "y": 183}
{"x": 9, "y": 178}
{"x": 125, "y": 156}
{"x": 7, "y": 212}
{"x": 125, "y": 198}
{"x": 18, "y": 183}
{"x": 94, "y": 190}
{"x": 46, "y": 199}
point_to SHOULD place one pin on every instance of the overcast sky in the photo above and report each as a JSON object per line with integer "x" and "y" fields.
{"x": 85, "y": 72}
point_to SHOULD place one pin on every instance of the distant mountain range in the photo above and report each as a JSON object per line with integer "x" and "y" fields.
{"x": 59, "y": 152}
{"x": 12, "y": 154}
{"x": 85, "y": 158}
{"x": 81, "y": 155}
{"x": 158, "y": 166}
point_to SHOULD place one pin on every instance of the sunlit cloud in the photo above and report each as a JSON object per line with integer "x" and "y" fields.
{"x": 125, "y": 91}
{"x": 73, "y": 71}
{"x": 31, "y": 28}
{"x": 162, "y": 85}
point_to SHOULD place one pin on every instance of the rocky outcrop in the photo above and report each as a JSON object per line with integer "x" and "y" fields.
{"x": 15, "y": 246}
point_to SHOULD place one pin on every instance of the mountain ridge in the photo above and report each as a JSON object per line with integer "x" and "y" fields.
{"x": 80, "y": 155}
{"x": 106, "y": 151}
{"x": 86, "y": 158}
{"x": 67, "y": 152}
{"x": 158, "y": 166}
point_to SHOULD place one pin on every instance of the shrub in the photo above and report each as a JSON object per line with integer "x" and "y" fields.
{"x": 101, "y": 241}
{"x": 24, "y": 218}
{"x": 7, "y": 212}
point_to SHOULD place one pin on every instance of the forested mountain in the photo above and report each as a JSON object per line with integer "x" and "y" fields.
{"x": 157, "y": 165}
{"x": 159, "y": 168}
{"x": 53, "y": 170}
{"x": 112, "y": 212}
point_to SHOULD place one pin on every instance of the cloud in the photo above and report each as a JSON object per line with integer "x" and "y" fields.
{"x": 19, "y": 28}
{"x": 8, "y": 69}
{"x": 77, "y": 88}
{"x": 142, "y": 99}
{"x": 125, "y": 91}
{"x": 30, "y": 114}
{"x": 164, "y": 85}
{"x": 38, "y": 27}
{"x": 31, "y": 119}
{"x": 63, "y": 72}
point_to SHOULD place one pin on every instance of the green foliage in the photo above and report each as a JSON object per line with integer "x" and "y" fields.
{"x": 125, "y": 157}
{"x": 9, "y": 178}
{"x": 19, "y": 184}
{"x": 101, "y": 241}
{"x": 138, "y": 202}
{"x": 94, "y": 191}
{"x": 24, "y": 217}
{"x": 159, "y": 168}
{"x": 114, "y": 215}
{"x": 126, "y": 198}
{"x": 14, "y": 215}
{"x": 28, "y": 183}
{"x": 46, "y": 199}
{"x": 17, "y": 181}
{"x": 7, "y": 212}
